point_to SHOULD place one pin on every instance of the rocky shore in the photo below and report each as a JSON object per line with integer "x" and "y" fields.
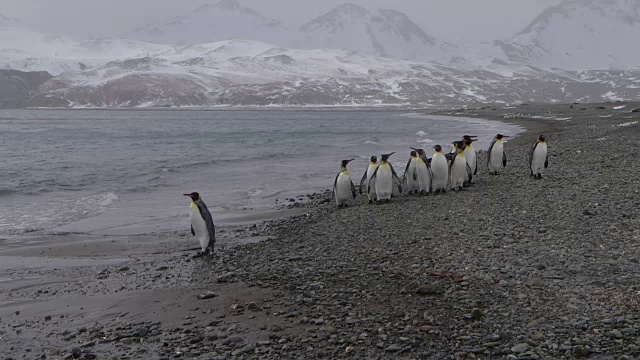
{"x": 513, "y": 268}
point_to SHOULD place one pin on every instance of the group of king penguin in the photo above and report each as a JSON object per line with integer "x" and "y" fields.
{"x": 454, "y": 170}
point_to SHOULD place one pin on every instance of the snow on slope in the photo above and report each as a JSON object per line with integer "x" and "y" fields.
{"x": 224, "y": 20}
{"x": 387, "y": 33}
{"x": 25, "y": 49}
{"x": 255, "y": 73}
{"x": 580, "y": 34}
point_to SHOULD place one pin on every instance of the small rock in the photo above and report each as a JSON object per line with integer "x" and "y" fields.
{"x": 124, "y": 268}
{"x": 615, "y": 333}
{"x": 207, "y": 295}
{"x": 47, "y": 318}
{"x": 393, "y": 348}
{"x": 76, "y": 352}
{"x": 476, "y": 314}
{"x": 430, "y": 289}
{"x": 535, "y": 283}
{"x": 245, "y": 349}
{"x": 163, "y": 268}
{"x": 520, "y": 348}
{"x": 581, "y": 351}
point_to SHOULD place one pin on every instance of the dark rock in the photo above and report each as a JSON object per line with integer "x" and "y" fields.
{"x": 124, "y": 268}
{"x": 430, "y": 289}
{"x": 476, "y": 314}
{"x": 580, "y": 351}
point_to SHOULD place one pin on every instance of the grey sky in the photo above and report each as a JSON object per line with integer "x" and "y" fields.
{"x": 456, "y": 21}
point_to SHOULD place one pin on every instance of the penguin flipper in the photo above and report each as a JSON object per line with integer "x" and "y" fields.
{"x": 476, "y": 171}
{"x": 393, "y": 173}
{"x": 373, "y": 178}
{"x": 192, "y": 231}
{"x": 469, "y": 173}
{"x": 335, "y": 182}
{"x": 362, "y": 181}
{"x": 406, "y": 169}
{"x": 546, "y": 162}
{"x": 489, "y": 152}
{"x": 504, "y": 159}
{"x": 415, "y": 174}
{"x": 353, "y": 189}
{"x": 206, "y": 215}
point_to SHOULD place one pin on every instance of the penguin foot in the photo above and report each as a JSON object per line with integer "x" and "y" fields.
{"x": 539, "y": 176}
{"x": 200, "y": 254}
{"x": 370, "y": 202}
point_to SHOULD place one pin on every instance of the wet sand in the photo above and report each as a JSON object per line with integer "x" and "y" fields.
{"x": 511, "y": 268}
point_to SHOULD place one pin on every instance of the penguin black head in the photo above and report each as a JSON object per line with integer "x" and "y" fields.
{"x": 469, "y": 138}
{"x": 542, "y": 138}
{"x": 420, "y": 152}
{"x": 374, "y": 159}
{"x": 468, "y": 141}
{"x": 500, "y": 136}
{"x": 437, "y": 148}
{"x": 459, "y": 145}
{"x": 194, "y": 196}
{"x": 413, "y": 154}
{"x": 385, "y": 157}
{"x": 345, "y": 162}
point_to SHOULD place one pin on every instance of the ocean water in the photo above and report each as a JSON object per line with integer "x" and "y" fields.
{"x": 124, "y": 171}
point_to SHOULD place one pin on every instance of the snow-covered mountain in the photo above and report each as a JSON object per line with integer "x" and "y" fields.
{"x": 224, "y": 20}
{"x": 243, "y": 72}
{"x": 580, "y": 34}
{"x": 25, "y": 49}
{"x": 387, "y": 33}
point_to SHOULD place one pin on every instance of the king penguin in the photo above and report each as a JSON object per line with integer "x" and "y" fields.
{"x": 343, "y": 187}
{"x": 439, "y": 171}
{"x": 470, "y": 151}
{"x": 373, "y": 165}
{"x": 383, "y": 180}
{"x": 458, "y": 168}
{"x": 496, "y": 154}
{"x": 538, "y": 157}
{"x": 411, "y": 174}
{"x": 202, "y": 224}
{"x": 424, "y": 173}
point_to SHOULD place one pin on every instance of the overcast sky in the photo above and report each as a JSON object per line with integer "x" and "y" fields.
{"x": 456, "y": 21}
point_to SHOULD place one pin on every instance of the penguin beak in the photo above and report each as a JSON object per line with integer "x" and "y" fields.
{"x": 186, "y": 194}
{"x": 348, "y": 161}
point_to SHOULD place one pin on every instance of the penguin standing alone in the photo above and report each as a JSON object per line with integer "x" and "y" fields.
{"x": 458, "y": 167}
{"x": 538, "y": 157}
{"x": 367, "y": 177}
{"x": 496, "y": 154}
{"x": 424, "y": 173}
{"x": 343, "y": 187}
{"x": 202, "y": 224}
{"x": 383, "y": 179}
{"x": 439, "y": 171}
{"x": 411, "y": 174}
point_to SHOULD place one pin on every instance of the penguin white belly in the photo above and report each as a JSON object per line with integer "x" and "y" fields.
{"x": 343, "y": 188}
{"x": 538, "y": 159}
{"x": 199, "y": 227}
{"x": 384, "y": 182}
{"x": 412, "y": 184}
{"x": 471, "y": 159}
{"x": 440, "y": 171}
{"x": 459, "y": 171}
{"x": 372, "y": 194}
{"x": 424, "y": 176}
{"x": 495, "y": 157}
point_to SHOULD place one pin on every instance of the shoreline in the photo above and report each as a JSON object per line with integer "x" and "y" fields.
{"x": 331, "y": 283}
